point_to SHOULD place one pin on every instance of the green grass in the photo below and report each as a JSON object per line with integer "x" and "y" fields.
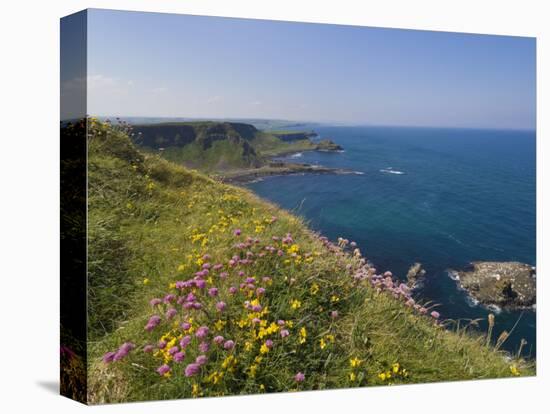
{"x": 269, "y": 145}
{"x": 222, "y": 155}
{"x": 151, "y": 220}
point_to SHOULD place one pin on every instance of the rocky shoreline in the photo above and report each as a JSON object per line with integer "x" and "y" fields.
{"x": 507, "y": 285}
{"x": 278, "y": 168}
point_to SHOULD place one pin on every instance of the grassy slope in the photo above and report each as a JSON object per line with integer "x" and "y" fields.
{"x": 150, "y": 219}
{"x": 222, "y": 155}
{"x": 269, "y": 145}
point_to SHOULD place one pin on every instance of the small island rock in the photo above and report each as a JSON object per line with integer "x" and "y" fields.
{"x": 416, "y": 272}
{"x": 504, "y": 284}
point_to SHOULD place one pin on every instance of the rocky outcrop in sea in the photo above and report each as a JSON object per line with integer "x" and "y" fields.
{"x": 415, "y": 275}
{"x": 508, "y": 285}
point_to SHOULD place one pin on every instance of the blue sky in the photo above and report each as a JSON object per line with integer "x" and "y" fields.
{"x": 149, "y": 64}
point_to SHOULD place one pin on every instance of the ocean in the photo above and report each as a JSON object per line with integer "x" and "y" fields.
{"x": 441, "y": 197}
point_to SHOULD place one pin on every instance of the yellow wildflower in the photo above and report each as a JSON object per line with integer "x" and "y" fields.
{"x": 295, "y": 304}
{"x": 355, "y": 362}
{"x": 215, "y": 377}
{"x": 395, "y": 368}
{"x": 145, "y": 281}
{"x": 293, "y": 249}
{"x": 264, "y": 349}
{"x": 229, "y": 363}
{"x": 303, "y": 335}
{"x": 196, "y": 391}
{"x": 219, "y": 325}
{"x": 314, "y": 288}
{"x": 514, "y": 370}
{"x": 352, "y": 376}
{"x": 322, "y": 343}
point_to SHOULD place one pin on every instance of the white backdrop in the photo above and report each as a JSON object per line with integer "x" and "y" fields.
{"x": 29, "y": 234}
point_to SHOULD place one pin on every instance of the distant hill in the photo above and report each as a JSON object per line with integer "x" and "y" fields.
{"x": 293, "y": 135}
{"x": 219, "y": 146}
{"x": 259, "y": 123}
{"x": 205, "y": 145}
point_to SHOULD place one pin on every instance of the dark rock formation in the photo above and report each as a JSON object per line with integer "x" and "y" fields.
{"x": 415, "y": 274}
{"x": 504, "y": 284}
{"x": 328, "y": 145}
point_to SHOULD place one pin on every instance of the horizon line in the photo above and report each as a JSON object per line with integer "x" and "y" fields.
{"x": 324, "y": 123}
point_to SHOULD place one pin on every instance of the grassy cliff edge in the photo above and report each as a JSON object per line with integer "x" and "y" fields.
{"x": 198, "y": 288}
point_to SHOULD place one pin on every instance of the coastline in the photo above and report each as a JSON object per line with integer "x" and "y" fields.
{"x": 277, "y": 169}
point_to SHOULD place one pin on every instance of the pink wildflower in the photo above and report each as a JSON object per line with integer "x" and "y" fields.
{"x": 170, "y": 313}
{"x": 155, "y": 302}
{"x": 201, "y": 360}
{"x": 192, "y": 369}
{"x": 186, "y": 340}
{"x": 202, "y": 332}
{"x": 108, "y": 357}
{"x": 163, "y": 369}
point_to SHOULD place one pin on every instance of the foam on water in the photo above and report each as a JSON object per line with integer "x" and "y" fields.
{"x": 389, "y": 170}
{"x": 494, "y": 308}
{"x": 471, "y": 301}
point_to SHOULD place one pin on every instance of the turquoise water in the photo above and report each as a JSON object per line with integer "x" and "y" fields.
{"x": 442, "y": 197}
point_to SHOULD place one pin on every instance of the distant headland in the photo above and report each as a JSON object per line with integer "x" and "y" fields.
{"x": 232, "y": 151}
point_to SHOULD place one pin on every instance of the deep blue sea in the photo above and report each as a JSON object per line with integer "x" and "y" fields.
{"x": 442, "y": 197}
